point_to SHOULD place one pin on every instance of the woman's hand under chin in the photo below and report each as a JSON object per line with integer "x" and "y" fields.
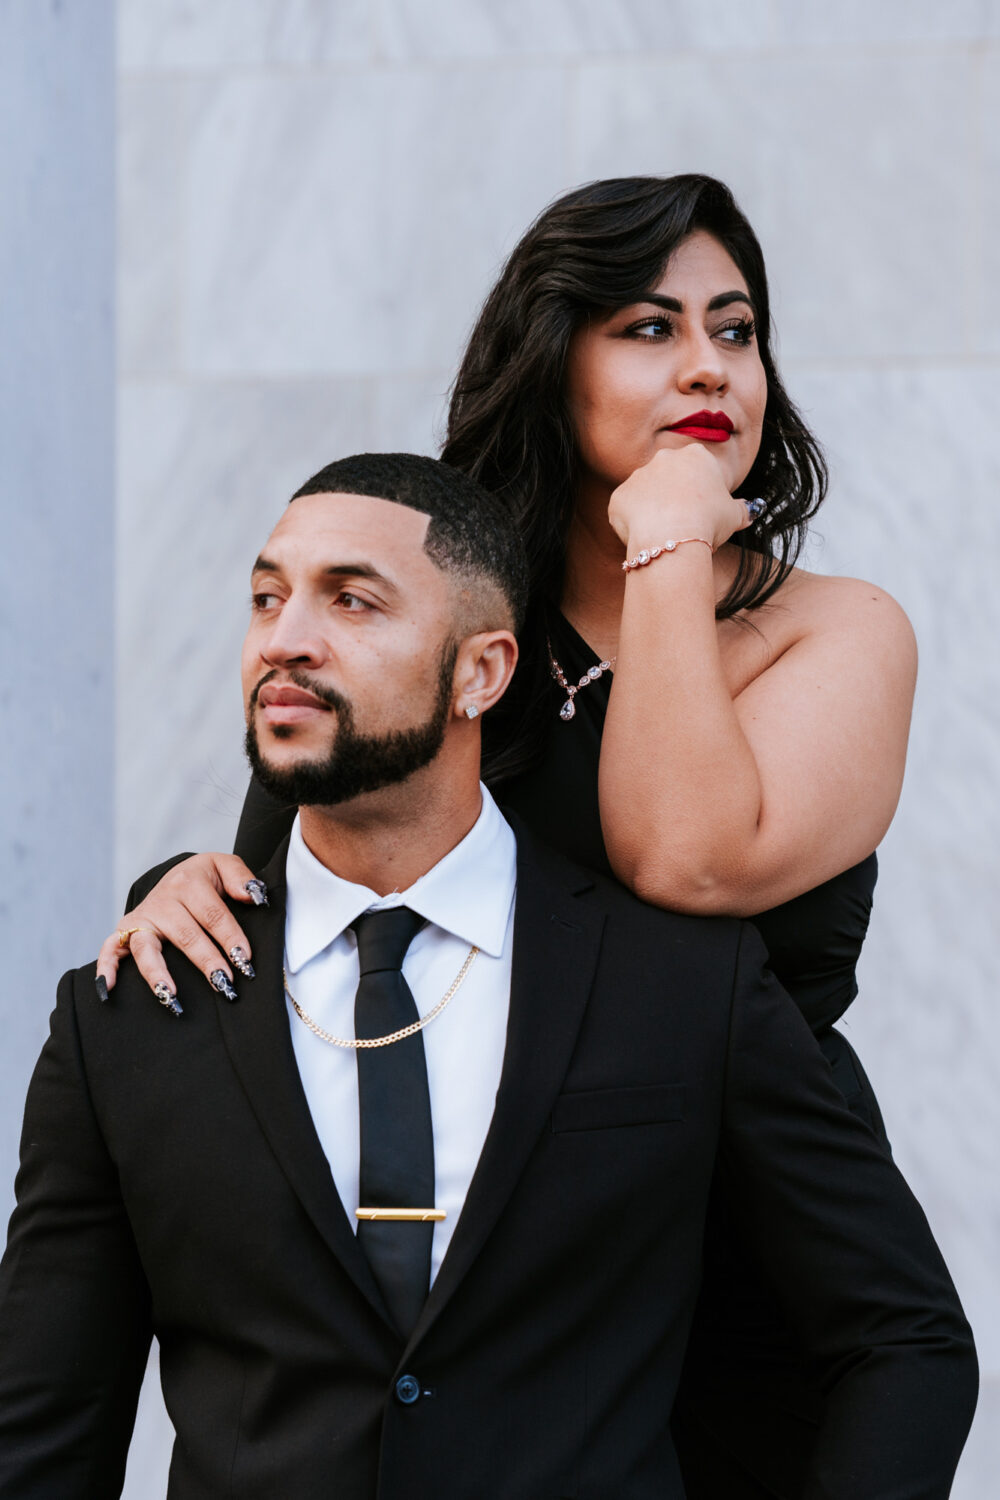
{"x": 186, "y": 908}
{"x": 681, "y": 492}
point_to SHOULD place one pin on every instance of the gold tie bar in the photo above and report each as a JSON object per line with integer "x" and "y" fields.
{"x": 407, "y": 1215}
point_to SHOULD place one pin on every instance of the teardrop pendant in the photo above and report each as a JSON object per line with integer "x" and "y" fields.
{"x": 568, "y": 710}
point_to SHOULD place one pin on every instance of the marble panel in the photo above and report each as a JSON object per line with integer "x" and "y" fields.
{"x": 861, "y": 201}
{"x": 228, "y": 34}
{"x": 56, "y": 481}
{"x": 854, "y": 22}
{"x": 204, "y": 472}
{"x": 977, "y": 1472}
{"x": 147, "y": 1472}
{"x": 913, "y": 506}
{"x": 448, "y": 29}
{"x": 355, "y": 228}
{"x": 410, "y": 413}
{"x": 985, "y": 329}
{"x": 150, "y": 223}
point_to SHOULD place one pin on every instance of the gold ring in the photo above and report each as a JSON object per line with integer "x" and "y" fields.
{"x": 125, "y": 935}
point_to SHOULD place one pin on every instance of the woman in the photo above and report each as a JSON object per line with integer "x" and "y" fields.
{"x": 723, "y": 731}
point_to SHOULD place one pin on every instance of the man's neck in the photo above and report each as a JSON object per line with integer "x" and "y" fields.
{"x": 386, "y": 840}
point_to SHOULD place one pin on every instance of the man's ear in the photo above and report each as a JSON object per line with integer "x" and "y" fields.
{"x": 483, "y": 668}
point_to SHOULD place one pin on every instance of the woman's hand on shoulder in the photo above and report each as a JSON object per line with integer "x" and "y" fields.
{"x": 680, "y": 492}
{"x": 186, "y": 908}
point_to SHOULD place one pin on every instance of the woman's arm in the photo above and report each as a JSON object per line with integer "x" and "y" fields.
{"x": 722, "y": 797}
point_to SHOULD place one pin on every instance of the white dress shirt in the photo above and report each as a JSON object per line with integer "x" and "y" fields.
{"x": 467, "y": 898}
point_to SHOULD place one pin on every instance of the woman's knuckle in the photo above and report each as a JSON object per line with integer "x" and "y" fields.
{"x": 187, "y": 936}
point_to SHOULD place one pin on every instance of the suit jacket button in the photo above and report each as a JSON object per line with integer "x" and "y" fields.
{"x": 407, "y": 1389}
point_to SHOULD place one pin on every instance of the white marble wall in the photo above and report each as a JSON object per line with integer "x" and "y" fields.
{"x": 57, "y": 401}
{"x": 314, "y": 197}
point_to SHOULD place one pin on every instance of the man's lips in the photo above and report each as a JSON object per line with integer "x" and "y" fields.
{"x": 706, "y": 426}
{"x": 283, "y": 703}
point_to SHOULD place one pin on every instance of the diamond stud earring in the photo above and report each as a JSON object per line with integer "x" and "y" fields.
{"x": 471, "y": 711}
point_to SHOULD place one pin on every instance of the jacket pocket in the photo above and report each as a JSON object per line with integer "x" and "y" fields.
{"x": 608, "y": 1109}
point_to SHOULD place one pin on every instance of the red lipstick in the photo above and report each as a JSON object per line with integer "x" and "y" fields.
{"x": 706, "y": 426}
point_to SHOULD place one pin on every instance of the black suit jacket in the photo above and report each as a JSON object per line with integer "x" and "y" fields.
{"x": 172, "y": 1182}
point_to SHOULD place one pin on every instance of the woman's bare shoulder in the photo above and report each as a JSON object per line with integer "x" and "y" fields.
{"x": 843, "y": 621}
{"x": 852, "y": 607}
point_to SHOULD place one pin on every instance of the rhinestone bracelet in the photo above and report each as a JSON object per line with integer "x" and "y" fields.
{"x": 647, "y": 556}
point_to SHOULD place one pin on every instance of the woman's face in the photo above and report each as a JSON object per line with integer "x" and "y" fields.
{"x": 687, "y": 347}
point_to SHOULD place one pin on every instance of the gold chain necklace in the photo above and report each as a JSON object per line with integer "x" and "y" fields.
{"x": 568, "y": 710}
{"x": 394, "y": 1036}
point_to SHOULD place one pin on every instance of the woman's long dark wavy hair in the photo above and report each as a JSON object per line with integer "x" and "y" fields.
{"x": 599, "y": 248}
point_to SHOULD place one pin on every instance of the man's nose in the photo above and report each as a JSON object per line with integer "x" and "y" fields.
{"x": 294, "y": 637}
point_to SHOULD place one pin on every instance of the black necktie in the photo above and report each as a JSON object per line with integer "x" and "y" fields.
{"x": 397, "y": 1140}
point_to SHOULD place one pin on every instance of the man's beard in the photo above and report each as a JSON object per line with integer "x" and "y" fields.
{"x": 357, "y": 763}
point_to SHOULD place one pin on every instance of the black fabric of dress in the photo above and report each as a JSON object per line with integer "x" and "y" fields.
{"x": 748, "y": 1407}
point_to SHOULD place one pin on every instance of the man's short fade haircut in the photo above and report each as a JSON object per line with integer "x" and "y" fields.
{"x": 470, "y": 531}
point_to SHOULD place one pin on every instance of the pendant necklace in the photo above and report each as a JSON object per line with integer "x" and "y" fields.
{"x": 592, "y": 674}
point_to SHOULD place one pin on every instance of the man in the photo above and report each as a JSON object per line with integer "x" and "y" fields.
{"x": 460, "y": 1261}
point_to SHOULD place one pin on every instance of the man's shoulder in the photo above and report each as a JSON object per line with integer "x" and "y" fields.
{"x": 142, "y": 886}
{"x": 543, "y": 865}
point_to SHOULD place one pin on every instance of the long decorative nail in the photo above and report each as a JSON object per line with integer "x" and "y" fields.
{"x": 167, "y": 997}
{"x": 101, "y": 986}
{"x": 257, "y": 891}
{"x": 219, "y": 980}
{"x": 238, "y": 958}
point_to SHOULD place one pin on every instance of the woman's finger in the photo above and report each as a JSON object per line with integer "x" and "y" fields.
{"x": 239, "y": 881}
{"x": 187, "y": 909}
{"x": 211, "y": 916}
{"x": 147, "y": 953}
{"x": 752, "y": 509}
{"x": 107, "y": 965}
{"x": 192, "y": 890}
{"x": 187, "y": 929}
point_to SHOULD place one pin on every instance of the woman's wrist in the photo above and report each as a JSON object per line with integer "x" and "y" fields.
{"x": 647, "y": 555}
{"x": 652, "y": 528}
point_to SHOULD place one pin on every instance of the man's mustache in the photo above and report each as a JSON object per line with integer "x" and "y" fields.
{"x": 327, "y": 695}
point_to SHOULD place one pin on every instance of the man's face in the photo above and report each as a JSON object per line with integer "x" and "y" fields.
{"x": 348, "y": 660}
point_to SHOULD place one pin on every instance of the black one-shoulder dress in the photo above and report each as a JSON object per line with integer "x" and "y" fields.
{"x": 748, "y": 1407}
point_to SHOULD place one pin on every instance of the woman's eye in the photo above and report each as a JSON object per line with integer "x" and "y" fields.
{"x": 741, "y": 332}
{"x": 650, "y": 329}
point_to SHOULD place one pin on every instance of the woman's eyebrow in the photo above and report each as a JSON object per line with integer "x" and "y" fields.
{"x": 673, "y": 304}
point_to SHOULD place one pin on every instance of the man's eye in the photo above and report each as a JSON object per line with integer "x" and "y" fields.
{"x": 260, "y": 602}
{"x": 352, "y": 603}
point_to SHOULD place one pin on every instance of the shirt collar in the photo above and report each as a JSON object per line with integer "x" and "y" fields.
{"x": 468, "y": 893}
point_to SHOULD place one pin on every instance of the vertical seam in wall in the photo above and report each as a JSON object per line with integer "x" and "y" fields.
{"x": 184, "y": 105}
{"x": 373, "y": 436}
{"x": 974, "y": 209}
{"x": 572, "y": 122}
{"x": 377, "y": 33}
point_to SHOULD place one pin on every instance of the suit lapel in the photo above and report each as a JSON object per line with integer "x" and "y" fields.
{"x": 256, "y": 1035}
{"x": 556, "y": 944}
